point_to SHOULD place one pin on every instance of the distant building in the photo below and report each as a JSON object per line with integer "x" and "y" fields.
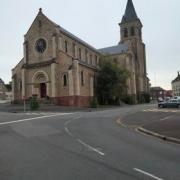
{"x": 168, "y": 93}
{"x": 176, "y": 85}
{"x": 157, "y": 93}
{"x": 2, "y": 89}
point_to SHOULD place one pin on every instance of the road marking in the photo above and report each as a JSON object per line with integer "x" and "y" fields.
{"x": 161, "y": 110}
{"x": 67, "y": 130}
{"x": 79, "y": 140}
{"x": 168, "y": 117}
{"x": 40, "y": 113}
{"x": 91, "y": 148}
{"x": 69, "y": 121}
{"x": 31, "y": 119}
{"x": 66, "y": 125}
{"x": 148, "y": 174}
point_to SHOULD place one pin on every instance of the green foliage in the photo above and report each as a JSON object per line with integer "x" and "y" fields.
{"x": 9, "y": 86}
{"x": 128, "y": 100}
{"x": 147, "y": 98}
{"x": 111, "y": 81}
{"x": 144, "y": 98}
{"x": 94, "y": 103}
{"x": 34, "y": 105}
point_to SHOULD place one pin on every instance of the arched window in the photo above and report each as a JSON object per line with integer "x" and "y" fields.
{"x": 80, "y": 53}
{"x": 74, "y": 49}
{"x": 91, "y": 60}
{"x": 132, "y": 31}
{"x": 86, "y": 55}
{"x": 125, "y": 32}
{"x": 20, "y": 85}
{"x": 82, "y": 78}
{"x": 96, "y": 60}
{"x": 140, "y": 33}
{"x": 66, "y": 46}
{"x": 65, "y": 80}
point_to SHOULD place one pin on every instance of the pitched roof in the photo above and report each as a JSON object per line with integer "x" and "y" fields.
{"x": 1, "y": 81}
{"x": 156, "y": 88}
{"x": 64, "y": 31}
{"x": 176, "y": 79}
{"x": 120, "y": 48}
{"x": 130, "y": 13}
{"x": 67, "y": 33}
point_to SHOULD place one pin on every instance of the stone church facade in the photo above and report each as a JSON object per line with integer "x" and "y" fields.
{"x": 61, "y": 67}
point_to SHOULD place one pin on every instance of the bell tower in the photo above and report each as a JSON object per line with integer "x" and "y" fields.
{"x": 130, "y": 26}
{"x": 131, "y": 34}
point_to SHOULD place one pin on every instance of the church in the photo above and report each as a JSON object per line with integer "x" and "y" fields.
{"x": 61, "y": 67}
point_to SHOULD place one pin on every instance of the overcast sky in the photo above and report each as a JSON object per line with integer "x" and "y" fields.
{"x": 96, "y": 22}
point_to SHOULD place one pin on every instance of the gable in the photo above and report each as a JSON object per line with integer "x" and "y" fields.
{"x": 39, "y": 22}
{"x": 38, "y": 39}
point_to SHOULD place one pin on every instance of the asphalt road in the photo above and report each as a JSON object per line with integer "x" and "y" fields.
{"x": 163, "y": 121}
{"x": 82, "y": 146}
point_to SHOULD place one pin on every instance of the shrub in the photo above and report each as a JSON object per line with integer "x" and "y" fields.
{"x": 147, "y": 98}
{"x": 128, "y": 100}
{"x": 94, "y": 103}
{"x": 34, "y": 105}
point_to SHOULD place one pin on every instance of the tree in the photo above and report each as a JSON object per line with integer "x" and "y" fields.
{"x": 9, "y": 86}
{"x": 111, "y": 82}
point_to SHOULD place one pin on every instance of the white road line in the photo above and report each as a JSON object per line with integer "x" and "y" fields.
{"x": 80, "y": 141}
{"x": 161, "y": 110}
{"x": 69, "y": 121}
{"x": 66, "y": 125}
{"x": 91, "y": 148}
{"x": 31, "y": 119}
{"x": 148, "y": 174}
{"x": 168, "y": 117}
{"x": 67, "y": 130}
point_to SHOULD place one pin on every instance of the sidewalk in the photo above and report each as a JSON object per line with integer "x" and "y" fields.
{"x": 4, "y": 101}
{"x": 164, "y": 125}
{"x": 18, "y": 108}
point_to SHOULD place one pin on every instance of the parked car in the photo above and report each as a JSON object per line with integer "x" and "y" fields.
{"x": 173, "y": 103}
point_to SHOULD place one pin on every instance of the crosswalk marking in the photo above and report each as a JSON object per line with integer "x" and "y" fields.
{"x": 161, "y": 110}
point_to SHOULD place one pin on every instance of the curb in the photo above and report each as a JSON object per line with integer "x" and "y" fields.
{"x": 165, "y": 138}
{"x": 145, "y": 131}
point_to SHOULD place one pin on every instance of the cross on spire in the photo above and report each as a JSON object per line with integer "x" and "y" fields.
{"x": 40, "y": 10}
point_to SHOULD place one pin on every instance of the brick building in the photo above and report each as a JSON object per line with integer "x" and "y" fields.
{"x": 61, "y": 67}
{"x": 157, "y": 93}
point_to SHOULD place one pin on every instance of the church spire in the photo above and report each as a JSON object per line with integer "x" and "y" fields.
{"x": 130, "y": 25}
{"x": 130, "y": 13}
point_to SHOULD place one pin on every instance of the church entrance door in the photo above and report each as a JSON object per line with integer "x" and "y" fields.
{"x": 43, "y": 90}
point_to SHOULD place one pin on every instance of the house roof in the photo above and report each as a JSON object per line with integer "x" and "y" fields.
{"x": 130, "y": 13}
{"x": 120, "y": 48}
{"x": 176, "y": 79}
{"x": 158, "y": 88}
{"x": 1, "y": 81}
